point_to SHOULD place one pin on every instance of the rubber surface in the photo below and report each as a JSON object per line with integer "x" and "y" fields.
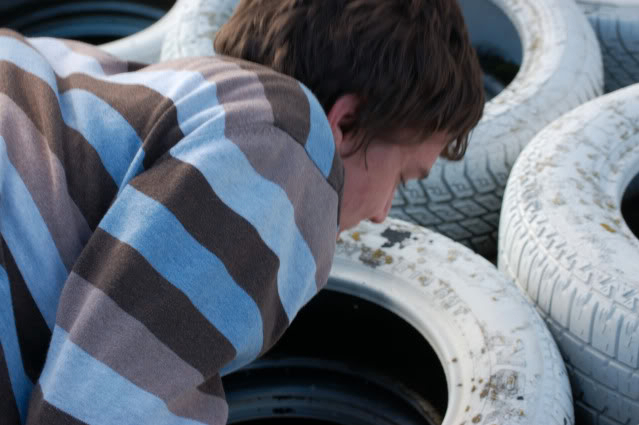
{"x": 146, "y": 45}
{"x": 561, "y": 69}
{"x": 501, "y": 364}
{"x": 565, "y": 241}
{"x": 616, "y": 23}
{"x": 194, "y": 30}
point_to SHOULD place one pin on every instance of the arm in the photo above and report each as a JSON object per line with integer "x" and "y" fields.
{"x": 196, "y": 269}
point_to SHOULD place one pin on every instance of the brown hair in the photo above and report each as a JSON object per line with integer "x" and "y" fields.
{"x": 409, "y": 61}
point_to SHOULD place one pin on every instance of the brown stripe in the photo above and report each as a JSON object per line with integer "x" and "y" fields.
{"x": 9, "y": 412}
{"x": 93, "y": 320}
{"x": 90, "y": 185}
{"x": 6, "y": 32}
{"x": 288, "y": 104}
{"x": 291, "y": 110}
{"x": 152, "y": 115}
{"x": 251, "y": 264}
{"x": 276, "y": 156}
{"x": 135, "y": 66}
{"x": 127, "y": 278}
{"x": 110, "y": 64}
{"x": 33, "y": 333}
{"x": 45, "y": 181}
{"x": 214, "y": 387}
{"x": 41, "y": 412}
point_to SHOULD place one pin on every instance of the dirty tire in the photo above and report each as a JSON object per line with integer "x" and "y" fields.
{"x": 564, "y": 240}
{"x": 501, "y": 364}
{"x": 616, "y": 23}
{"x": 194, "y": 30}
{"x": 561, "y": 69}
{"x": 145, "y": 46}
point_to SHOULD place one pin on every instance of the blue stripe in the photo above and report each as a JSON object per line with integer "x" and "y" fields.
{"x": 20, "y": 383}
{"x": 79, "y": 110}
{"x": 29, "y": 240}
{"x": 262, "y": 203}
{"x": 110, "y": 134}
{"x": 194, "y": 97}
{"x": 83, "y": 387}
{"x": 320, "y": 145}
{"x": 198, "y": 273}
{"x": 64, "y": 60}
{"x": 27, "y": 59}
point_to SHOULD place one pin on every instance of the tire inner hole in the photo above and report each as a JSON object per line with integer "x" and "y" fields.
{"x": 337, "y": 327}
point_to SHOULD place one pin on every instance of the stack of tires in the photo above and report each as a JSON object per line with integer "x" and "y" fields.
{"x": 570, "y": 222}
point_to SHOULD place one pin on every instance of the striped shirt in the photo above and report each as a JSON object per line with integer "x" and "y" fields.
{"x": 160, "y": 227}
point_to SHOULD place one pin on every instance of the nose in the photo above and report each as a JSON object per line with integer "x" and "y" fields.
{"x": 381, "y": 216}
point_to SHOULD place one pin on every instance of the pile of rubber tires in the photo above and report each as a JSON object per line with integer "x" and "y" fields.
{"x": 548, "y": 190}
{"x": 550, "y": 187}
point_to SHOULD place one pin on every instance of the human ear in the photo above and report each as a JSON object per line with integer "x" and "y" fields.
{"x": 340, "y": 117}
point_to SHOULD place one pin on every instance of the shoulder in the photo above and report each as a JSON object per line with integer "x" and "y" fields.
{"x": 254, "y": 98}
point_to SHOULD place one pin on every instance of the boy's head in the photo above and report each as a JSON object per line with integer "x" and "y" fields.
{"x": 401, "y": 73}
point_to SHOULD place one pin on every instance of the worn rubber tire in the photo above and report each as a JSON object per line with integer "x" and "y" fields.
{"x": 561, "y": 69}
{"x": 616, "y": 23}
{"x": 143, "y": 46}
{"x": 500, "y": 361}
{"x": 146, "y": 45}
{"x": 195, "y": 28}
{"x": 563, "y": 238}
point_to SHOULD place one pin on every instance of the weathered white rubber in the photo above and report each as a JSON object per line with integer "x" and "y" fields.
{"x": 501, "y": 364}
{"x": 145, "y": 46}
{"x": 616, "y": 23}
{"x": 561, "y": 69}
{"x": 563, "y": 238}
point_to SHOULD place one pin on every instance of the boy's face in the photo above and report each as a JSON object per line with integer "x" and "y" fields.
{"x": 368, "y": 191}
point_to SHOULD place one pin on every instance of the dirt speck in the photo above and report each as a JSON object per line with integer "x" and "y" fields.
{"x": 473, "y": 389}
{"x": 452, "y": 255}
{"x": 484, "y": 393}
{"x": 608, "y": 228}
{"x": 477, "y": 419}
{"x": 356, "y": 236}
{"x": 558, "y": 200}
{"x": 454, "y": 360}
{"x": 389, "y": 259}
{"x": 467, "y": 408}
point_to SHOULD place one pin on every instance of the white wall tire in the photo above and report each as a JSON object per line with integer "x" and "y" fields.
{"x": 137, "y": 26}
{"x": 563, "y": 238}
{"x": 194, "y": 30}
{"x": 146, "y": 46}
{"x": 561, "y": 69}
{"x": 500, "y": 361}
{"x": 616, "y": 23}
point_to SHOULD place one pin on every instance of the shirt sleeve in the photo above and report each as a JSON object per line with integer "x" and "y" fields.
{"x": 197, "y": 268}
